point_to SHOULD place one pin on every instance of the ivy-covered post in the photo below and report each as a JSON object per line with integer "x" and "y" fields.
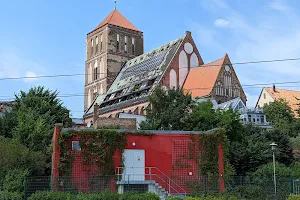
{"x": 55, "y": 156}
{"x": 221, "y": 164}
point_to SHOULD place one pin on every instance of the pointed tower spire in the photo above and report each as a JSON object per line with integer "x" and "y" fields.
{"x": 115, "y": 4}
{"x": 117, "y": 19}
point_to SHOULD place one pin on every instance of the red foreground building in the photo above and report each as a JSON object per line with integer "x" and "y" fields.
{"x": 164, "y": 162}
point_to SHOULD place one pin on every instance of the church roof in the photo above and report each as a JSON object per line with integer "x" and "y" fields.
{"x": 201, "y": 80}
{"x": 117, "y": 19}
{"x": 139, "y": 76}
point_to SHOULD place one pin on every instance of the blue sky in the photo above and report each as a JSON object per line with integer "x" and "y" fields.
{"x": 48, "y": 37}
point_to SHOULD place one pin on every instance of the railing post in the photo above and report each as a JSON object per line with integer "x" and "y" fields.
{"x": 169, "y": 186}
{"x": 150, "y": 174}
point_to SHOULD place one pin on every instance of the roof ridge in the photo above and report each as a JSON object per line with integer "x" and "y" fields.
{"x": 282, "y": 89}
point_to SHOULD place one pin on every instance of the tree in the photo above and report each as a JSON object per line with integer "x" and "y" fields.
{"x": 282, "y": 117}
{"x": 170, "y": 110}
{"x": 284, "y": 150}
{"x": 14, "y": 155}
{"x": 36, "y": 113}
{"x": 7, "y": 122}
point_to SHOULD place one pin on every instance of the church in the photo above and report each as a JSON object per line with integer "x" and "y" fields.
{"x": 120, "y": 76}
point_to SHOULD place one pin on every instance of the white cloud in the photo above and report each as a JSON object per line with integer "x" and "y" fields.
{"x": 31, "y": 76}
{"x": 279, "y": 6}
{"x": 264, "y": 36}
{"x": 222, "y": 23}
{"x": 13, "y": 65}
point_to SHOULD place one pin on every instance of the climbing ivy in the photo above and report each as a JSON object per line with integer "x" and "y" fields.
{"x": 98, "y": 147}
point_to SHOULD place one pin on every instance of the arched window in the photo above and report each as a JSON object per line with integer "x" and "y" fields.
{"x": 102, "y": 72}
{"x": 194, "y": 60}
{"x": 228, "y": 81}
{"x": 132, "y": 46}
{"x": 101, "y": 42}
{"x": 183, "y": 67}
{"x": 118, "y": 42}
{"x": 97, "y": 42}
{"x": 173, "y": 79}
{"x": 219, "y": 89}
{"x": 101, "y": 89}
{"x": 90, "y": 73}
{"x": 96, "y": 70}
{"x": 125, "y": 47}
{"x": 89, "y": 98}
{"x": 92, "y": 46}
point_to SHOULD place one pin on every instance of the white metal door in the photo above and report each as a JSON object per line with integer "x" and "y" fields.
{"x": 134, "y": 163}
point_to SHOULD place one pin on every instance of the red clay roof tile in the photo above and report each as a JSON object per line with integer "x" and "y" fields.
{"x": 290, "y": 96}
{"x": 201, "y": 80}
{"x": 117, "y": 19}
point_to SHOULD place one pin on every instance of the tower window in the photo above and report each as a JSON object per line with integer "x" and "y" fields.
{"x": 118, "y": 42}
{"x": 97, "y": 42}
{"x": 96, "y": 70}
{"x": 92, "y": 48}
{"x": 265, "y": 96}
{"x": 125, "y": 47}
{"x": 101, "y": 41}
{"x": 90, "y": 75}
{"x": 132, "y": 46}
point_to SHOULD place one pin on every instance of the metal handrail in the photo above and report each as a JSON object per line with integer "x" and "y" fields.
{"x": 150, "y": 170}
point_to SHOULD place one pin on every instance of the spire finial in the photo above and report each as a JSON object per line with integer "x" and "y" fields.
{"x": 115, "y": 4}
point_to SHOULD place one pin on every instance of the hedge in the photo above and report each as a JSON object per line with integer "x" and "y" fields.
{"x": 224, "y": 197}
{"x": 51, "y": 196}
{"x": 95, "y": 196}
{"x": 294, "y": 197}
{"x": 10, "y": 196}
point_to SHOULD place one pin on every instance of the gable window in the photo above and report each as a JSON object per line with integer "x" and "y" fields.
{"x": 265, "y": 96}
{"x": 125, "y": 47}
{"x": 228, "y": 81}
{"x": 219, "y": 89}
{"x": 118, "y": 42}
{"x": 96, "y": 70}
{"x": 101, "y": 42}
{"x": 132, "y": 46}
{"x": 173, "y": 79}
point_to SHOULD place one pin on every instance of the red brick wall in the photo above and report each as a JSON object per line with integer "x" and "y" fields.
{"x": 175, "y": 62}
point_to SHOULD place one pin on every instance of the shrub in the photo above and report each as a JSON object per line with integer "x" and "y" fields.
{"x": 14, "y": 180}
{"x": 10, "y": 196}
{"x": 173, "y": 198}
{"x": 51, "y": 196}
{"x": 138, "y": 196}
{"x": 100, "y": 196}
{"x": 294, "y": 197}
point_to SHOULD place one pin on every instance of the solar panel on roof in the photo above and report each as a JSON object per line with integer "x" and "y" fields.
{"x": 144, "y": 66}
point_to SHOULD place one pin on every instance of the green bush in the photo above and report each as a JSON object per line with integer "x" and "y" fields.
{"x": 52, "y": 196}
{"x": 294, "y": 197}
{"x": 139, "y": 196}
{"x": 10, "y": 196}
{"x": 14, "y": 180}
{"x": 95, "y": 196}
{"x": 100, "y": 196}
{"x": 173, "y": 198}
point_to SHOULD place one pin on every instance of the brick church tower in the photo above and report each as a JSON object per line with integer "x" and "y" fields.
{"x": 114, "y": 41}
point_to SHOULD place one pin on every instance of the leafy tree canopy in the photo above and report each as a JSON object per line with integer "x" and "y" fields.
{"x": 282, "y": 117}
{"x": 34, "y": 115}
{"x": 170, "y": 110}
